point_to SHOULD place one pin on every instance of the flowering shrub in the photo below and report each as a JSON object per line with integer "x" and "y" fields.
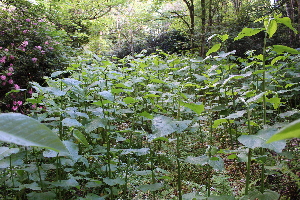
{"x": 30, "y": 48}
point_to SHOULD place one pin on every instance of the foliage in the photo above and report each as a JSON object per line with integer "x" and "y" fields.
{"x": 30, "y": 48}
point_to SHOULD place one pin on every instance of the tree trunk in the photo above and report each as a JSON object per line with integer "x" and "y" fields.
{"x": 203, "y": 28}
{"x": 191, "y": 8}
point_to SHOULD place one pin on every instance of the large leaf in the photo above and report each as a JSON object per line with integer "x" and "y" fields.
{"x": 291, "y": 130}
{"x": 23, "y": 130}
{"x": 215, "y": 48}
{"x": 248, "y": 32}
{"x": 151, "y": 187}
{"x": 259, "y": 140}
{"x": 271, "y": 27}
{"x": 194, "y": 107}
{"x": 267, "y": 195}
{"x": 216, "y": 164}
{"x": 281, "y": 48}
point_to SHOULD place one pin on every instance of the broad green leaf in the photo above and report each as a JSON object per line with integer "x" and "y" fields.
{"x": 214, "y": 48}
{"x": 96, "y": 123}
{"x": 23, "y": 130}
{"x": 71, "y": 81}
{"x": 292, "y": 130}
{"x": 224, "y": 37}
{"x": 260, "y": 139}
{"x": 216, "y": 164}
{"x": 5, "y": 151}
{"x": 281, "y": 48}
{"x": 41, "y": 195}
{"x": 275, "y": 101}
{"x": 151, "y": 187}
{"x": 193, "y": 196}
{"x": 151, "y": 96}
{"x": 80, "y": 137}
{"x": 194, "y": 107}
{"x": 267, "y": 195}
{"x": 237, "y": 114}
{"x": 220, "y": 121}
{"x": 112, "y": 182}
{"x": 117, "y": 91}
{"x": 271, "y": 26}
{"x": 66, "y": 183}
{"x": 147, "y": 115}
{"x": 157, "y": 81}
{"x": 287, "y": 22}
{"x": 248, "y": 32}
{"x": 223, "y": 197}
{"x": 71, "y": 122}
{"x": 162, "y": 126}
{"x": 107, "y": 95}
{"x": 129, "y": 100}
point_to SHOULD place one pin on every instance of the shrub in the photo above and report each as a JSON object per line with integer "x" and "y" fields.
{"x": 30, "y": 48}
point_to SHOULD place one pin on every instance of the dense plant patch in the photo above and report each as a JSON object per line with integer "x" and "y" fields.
{"x": 159, "y": 127}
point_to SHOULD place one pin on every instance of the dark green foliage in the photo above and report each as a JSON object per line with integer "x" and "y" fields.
{"x": 169, "y": 42}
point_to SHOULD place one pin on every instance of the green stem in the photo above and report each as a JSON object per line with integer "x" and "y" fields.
{"x": 248, "y": 172}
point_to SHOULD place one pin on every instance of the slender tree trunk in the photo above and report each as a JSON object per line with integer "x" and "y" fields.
{"x": 191, "y": 8}
{"x": 203, "y": 28}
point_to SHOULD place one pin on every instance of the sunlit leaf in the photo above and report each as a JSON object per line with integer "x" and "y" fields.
{"x": 281, "y": 48}
{"x": 197, "y": 108}
{"x": 23, "y": 130}
{"x": 271, "y": 26}
{"x": 80, "y": 137}
{"x": 214, "y": 48}
{"x": 71, "y": 122}
{"x": 107, "y": 95}
{"x": 248, "y": 32}
{"x": 292, "y": 130}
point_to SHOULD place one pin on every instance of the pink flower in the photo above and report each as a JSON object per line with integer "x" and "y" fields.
{"x": 43, "y": 52}
{"x": 2, "y": 60}
{"x": 33, "y": 106}
{"x": 10, "y": 81}
{"x": 34, "y": 59}
{"x": 3, "y": 83}
{"x": 11, "y": 57}
{"x": 17, "y": 87}
{"x": 46, "y": 42}
{"x": 11, "y": 69}
{"x": 34, "y": 23}
{"x": 25, "y": 43}
{"x": 9, "y": 74}
{"x": 38, "y": 47}
{"x": 6, "y": 50}
{"x": 14, "y": 108}
{"x": 2, "y": 77}
{"x": 19, "y": 103}
{"x": 27, "y": 20}
{"x": 30, "y": 91}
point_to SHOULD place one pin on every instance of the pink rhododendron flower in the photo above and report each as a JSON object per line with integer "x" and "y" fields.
{"x": 6, "y": 50}
{"x": 27, "y": 20}
{"x": 1, "y": 47}
{"x": 14, "y": 108}
{"x": 30, "y": 91}
{"x": 17, "y": 87}
{"x": 2, "y": 60}
{"x": 33, "y": 106}
{"x": 9, "y": 74}
{"x": 43, "y": 52}
{"x": 34, "y": 23}
{"x": 10, "y": 69}
{"x": 2, "y": 77}
{"x": 38, "y": 47}
{"x": 19, "y": 103}
{"x": 34, "y": 59}
{"x": 25, "y": 43}
{"x": 10, "y": 81}
{"x": 46, "y": 42}
{"x": 11, "y": 57}
{"x": 3, "y": 83}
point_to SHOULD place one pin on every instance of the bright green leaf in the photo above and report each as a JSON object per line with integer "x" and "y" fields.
{"x": 23, "y": 130}
{"x": 292, "y": 130}
{"x": 281, "y": 48}
{"x": 215, "y": 48}
{"x": 194, "y": 107}
{"x": 248, "y": 32}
